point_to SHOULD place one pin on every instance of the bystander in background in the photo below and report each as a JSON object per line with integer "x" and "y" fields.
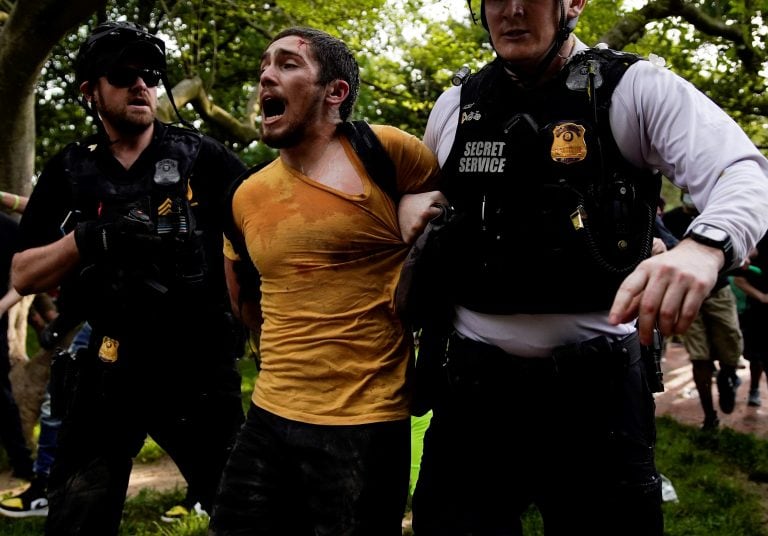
{"x": 715, "y": 334}
{"x": 752, "y": 280}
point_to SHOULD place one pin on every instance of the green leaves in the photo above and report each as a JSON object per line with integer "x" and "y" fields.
{"x": 408, "y": 51}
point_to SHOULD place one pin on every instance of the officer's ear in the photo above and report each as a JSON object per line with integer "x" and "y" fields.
{"x": 576, "y": 7}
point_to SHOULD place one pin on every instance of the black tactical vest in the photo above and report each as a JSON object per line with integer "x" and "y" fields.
{"x": 551, "y": 216}
{"x": 117, "y": 298}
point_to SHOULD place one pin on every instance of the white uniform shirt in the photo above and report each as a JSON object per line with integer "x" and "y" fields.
{"x": 660, "y": 121}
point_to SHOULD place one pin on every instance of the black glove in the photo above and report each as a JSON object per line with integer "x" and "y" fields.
{"x": 119, "y": 238}
{"x": 56, "y": 329}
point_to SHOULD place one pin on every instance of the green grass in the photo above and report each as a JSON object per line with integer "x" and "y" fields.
{"x": 248, "y": 371}
{"x": 718, "y": 477}
{"x": 141, "y": 516}
{"x": 715, "y": 477}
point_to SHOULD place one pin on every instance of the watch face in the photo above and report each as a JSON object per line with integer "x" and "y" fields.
{"x": 712, "y": 233}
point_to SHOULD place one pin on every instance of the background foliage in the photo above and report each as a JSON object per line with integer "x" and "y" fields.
{"x": 407, "y": 49}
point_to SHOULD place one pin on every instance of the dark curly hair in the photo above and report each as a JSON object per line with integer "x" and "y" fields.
{"x": 335, "y": 59}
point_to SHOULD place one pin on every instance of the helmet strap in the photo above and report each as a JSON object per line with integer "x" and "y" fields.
{"x": 564, "y": 29}
{"x": 472, "y": 12}
{"x": 168, "y": 92}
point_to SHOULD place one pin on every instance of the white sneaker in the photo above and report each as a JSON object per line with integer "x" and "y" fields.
{"x": 29, "y": 503}
{"x": 179, "y": 512}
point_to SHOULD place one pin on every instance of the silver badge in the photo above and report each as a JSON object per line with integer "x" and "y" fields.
{"x": 167, "y": 172}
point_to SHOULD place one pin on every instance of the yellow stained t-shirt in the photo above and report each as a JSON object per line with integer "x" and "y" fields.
{"x": 332, "y": 348}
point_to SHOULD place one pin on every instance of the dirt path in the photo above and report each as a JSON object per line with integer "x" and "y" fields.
{"x": 679, "y": 400}
{"x": 161, "y": 475}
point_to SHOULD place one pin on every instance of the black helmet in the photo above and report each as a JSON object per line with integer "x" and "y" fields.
{"x": 112, "y": 42}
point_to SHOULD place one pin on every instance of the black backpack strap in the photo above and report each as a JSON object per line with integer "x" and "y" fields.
{"x": 231, "y": 231}
{"x": 377, "y": 162}
{"x": 247, "y": 275}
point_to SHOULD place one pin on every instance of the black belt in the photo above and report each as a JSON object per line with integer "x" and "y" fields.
{"x": 600, "y": 352}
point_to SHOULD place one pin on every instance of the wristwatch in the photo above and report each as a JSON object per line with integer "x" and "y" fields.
{"x": 714, "y": 237}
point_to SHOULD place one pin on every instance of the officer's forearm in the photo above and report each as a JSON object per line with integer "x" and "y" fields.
{"x": 40, "y": 269}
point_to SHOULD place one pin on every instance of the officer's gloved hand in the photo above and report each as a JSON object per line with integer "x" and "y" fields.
{"x": 49, "y": 337}
{"x": 56, "y": 329}
{"x": 122, "y": 237}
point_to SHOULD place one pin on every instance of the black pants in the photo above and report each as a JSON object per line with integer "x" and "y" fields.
{"x": 575, "y": 438}
{"x": 288, "y": 478}
{"x": 191, "y": 407}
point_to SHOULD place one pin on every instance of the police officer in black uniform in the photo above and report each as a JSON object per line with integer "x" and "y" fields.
{"x": 550, "y": 157}
{"x": 127, "y": 222}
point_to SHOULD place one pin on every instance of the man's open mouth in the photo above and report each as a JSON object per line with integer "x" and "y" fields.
{"x": 272, "y": 107}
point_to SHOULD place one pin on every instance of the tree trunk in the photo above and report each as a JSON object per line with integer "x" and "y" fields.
{"x": 17, "y": 330}
{"x": 28, "y": 376}
{"x": 27, "y": 37}
{"x": 29, "y": 380}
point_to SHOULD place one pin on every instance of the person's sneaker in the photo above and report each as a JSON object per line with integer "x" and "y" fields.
{"x": 180, "y": 511}
{"x": 28, "y": 503}
{"x": 754, "y": 398}
{"x": 711, "y": 422}
{"x": 727, "y": 383}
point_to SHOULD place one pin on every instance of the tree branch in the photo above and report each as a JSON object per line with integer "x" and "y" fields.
{"x": 632, "y": 28}
{"x": 191, "y": 91}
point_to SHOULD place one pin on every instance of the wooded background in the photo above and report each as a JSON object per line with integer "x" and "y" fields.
{"x": 407, "y": 50}
{"x": 406, "y": 53}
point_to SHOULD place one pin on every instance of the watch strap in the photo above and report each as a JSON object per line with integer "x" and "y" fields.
{"x": 698, "y": 233}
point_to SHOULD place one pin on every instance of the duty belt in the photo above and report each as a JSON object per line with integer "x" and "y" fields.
{"x": 600, "y": 353}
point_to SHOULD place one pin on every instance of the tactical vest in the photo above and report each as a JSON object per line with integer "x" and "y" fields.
{"x": 551, "y": 217}
{"x": 117, "y": 295}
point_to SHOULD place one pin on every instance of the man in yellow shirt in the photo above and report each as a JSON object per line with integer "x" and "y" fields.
{"x": 325, "y": 449}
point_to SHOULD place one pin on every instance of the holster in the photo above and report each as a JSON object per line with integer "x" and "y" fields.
{"x": 63, "y": 382}
{"x": 429, "y": 369}
{"x": 651, "y": 356}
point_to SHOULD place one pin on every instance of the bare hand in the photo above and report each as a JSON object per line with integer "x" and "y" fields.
{"x": 415, "y": 211}
{"x": 667, "y": 288}
{"x": 658, "y": 246}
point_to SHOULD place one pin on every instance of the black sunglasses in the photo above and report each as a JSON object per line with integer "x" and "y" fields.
{"x": 126, "y": 76}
